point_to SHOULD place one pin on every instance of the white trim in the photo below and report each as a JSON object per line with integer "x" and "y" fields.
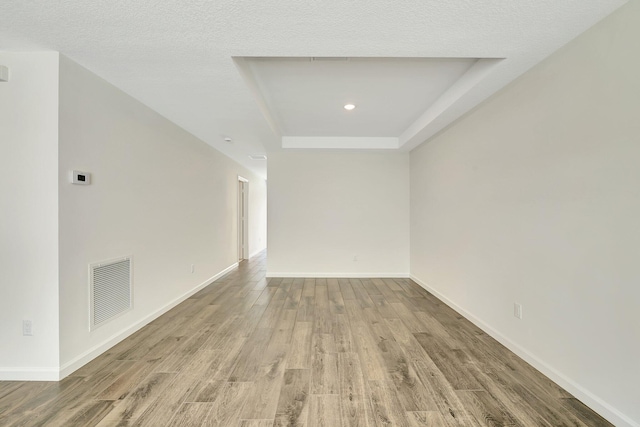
{"x": 97, "y": 350}
{"x": 243, "y": 220}
{"x": 592, "y": 401}
{"x": 29, "y": 374}
{"x": 341, "y": 275}
{"x": 341, "y": 142}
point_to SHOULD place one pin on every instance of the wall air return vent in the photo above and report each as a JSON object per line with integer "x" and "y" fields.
{"x": 110, "y": 290}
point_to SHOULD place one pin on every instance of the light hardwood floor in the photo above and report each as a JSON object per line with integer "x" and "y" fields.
{"x": 253, "y": 352}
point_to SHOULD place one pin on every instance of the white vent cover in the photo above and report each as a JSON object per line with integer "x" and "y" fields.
{"x": 110, "y": 290}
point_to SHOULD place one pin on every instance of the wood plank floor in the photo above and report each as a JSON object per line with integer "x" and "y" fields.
{"x": 253, "y": 352}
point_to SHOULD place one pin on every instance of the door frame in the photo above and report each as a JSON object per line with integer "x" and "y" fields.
{"x": 243, "y": 220}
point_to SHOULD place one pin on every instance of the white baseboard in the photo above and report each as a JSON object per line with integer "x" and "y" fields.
{"x": 341, "y": 275}
{"x": 29, "y": 374}
{"x": 53, "y": 374}
{"x": 94, "y": 352}
{"x": 592, "y": 401}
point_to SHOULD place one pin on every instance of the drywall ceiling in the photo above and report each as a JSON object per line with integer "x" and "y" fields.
{"x": 305, "y": 97}
{"x": 177, "y": 56}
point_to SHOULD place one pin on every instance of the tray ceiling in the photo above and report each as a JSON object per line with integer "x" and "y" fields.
{"x": 178, "y": 58}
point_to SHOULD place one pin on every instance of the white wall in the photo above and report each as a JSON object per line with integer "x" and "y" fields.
{"x": 535, "y": 198}
{"x": 157, "y": 193}
{"x": 325, "y": 207}
{"x": 257, "y": 215}
{"x": 29, "y": 215}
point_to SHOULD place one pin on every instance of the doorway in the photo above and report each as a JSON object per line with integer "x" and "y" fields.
{"x": 243, "y": 228}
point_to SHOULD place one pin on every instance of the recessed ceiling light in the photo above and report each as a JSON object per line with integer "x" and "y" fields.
{"x": 258, "y": 157}
{"x": 227, "y": 139}
{"x": 349, "y": 107}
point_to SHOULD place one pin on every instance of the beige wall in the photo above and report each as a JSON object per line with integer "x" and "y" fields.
{"x": 29, "y": 215}
{"x": 157, "y": 193}
{"x": 325, "y": 207}
{"x": 535, "y": 198}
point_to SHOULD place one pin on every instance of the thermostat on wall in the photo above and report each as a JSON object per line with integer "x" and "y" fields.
{"x": 80, "y": 178}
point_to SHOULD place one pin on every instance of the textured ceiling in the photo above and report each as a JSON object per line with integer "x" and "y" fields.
{"x": 176, "y": 55}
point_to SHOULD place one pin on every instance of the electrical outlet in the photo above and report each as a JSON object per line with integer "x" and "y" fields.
{"x": 355, "y": 258}
{"x": 27, "y": 328}
{"x": 517, "y": 310}
{"x": 4, "y": 73}
{"x": 193, "y": 268}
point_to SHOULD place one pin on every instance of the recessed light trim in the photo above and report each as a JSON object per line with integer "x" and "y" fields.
{"x": 258, "y": 157}
{"x": 349, "y": 107}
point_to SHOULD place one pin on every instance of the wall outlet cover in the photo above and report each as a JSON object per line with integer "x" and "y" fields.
{"x": 4, "y": 73}
{"x": 27, "y": 328}
{"x": 517, "y": 310}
